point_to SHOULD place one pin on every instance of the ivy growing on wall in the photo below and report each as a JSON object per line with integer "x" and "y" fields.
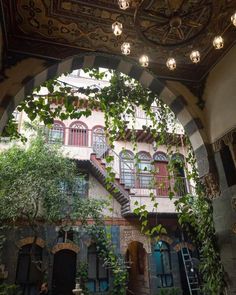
{"x": 118, "y": 101}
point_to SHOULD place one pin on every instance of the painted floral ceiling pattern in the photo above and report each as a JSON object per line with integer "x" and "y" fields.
{"x": 159, "y": 28}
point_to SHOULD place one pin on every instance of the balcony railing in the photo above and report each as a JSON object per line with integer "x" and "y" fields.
{"x": 141, "y": 182}
{"x": 159, "y": 185}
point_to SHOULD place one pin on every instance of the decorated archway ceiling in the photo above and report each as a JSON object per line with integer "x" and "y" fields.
{"x": 57, "y": 29}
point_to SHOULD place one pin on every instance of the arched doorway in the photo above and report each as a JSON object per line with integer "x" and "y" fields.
{"x": 64, "y": 272}
{"x": 137, "y": 260}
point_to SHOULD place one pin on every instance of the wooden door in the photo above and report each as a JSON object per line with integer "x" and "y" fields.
{"x": 64, "y": 272}
{"x": 162, "y": 182}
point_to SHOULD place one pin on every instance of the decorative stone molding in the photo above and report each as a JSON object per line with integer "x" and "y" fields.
{"x": 227, "y": 139}
{"x": 211, "y": 184}
{"x": 180, "y": 245}
{"x": 30, "y": 240}
{"x": 129, "y": 235}
{"x": 65, "y": 246}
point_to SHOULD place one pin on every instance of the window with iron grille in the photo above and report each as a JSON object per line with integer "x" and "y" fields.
{"x": 78, "y": 134}
{"x": 127, "y": 168}
{"x": 145, "y": 168}
{"x": 163, "y": 264}
{"x": 98, "y": 275}
{"x": 56, "y": 133}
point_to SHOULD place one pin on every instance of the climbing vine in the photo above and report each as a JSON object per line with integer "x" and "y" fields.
{"x": 118, "y": 101}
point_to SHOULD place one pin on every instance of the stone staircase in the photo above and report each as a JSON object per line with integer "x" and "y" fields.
{"x": 97, "y": 167}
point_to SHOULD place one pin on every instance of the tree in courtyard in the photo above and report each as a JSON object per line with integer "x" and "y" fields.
{"x": 38, "y": 186}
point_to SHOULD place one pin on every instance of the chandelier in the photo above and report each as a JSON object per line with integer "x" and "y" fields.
{"x": 167, "y": 25}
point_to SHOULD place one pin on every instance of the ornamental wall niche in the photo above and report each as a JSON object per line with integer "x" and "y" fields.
{"x": 129, "y": 235}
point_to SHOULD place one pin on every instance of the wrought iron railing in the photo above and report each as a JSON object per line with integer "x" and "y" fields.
{"x": 132, "y": 179}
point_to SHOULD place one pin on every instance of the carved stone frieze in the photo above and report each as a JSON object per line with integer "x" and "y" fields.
{"x": 211, "y": 184}
{"x": 227, "y": 139}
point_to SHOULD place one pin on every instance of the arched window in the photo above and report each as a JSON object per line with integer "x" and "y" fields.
{"x": 28, "y": 274}
{"x": 78, "y": 134}
{"x": 161, "y": 173}
{"x": 163, "y": 264}
{"x": 99, "y": 143}
{"x": 160, "y": 157}
{"x": 179, "y": 175}
{"x": 56, "y": 134}
{"x": 98, "y": 276}
{"x": 127, "y": 168}
{"x": 145, "y": 168}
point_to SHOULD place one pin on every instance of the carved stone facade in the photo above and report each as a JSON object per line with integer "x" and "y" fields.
{"x": 211, "y": 184}
{"x": 130, "y": 234}
{"x": 227, "y": 139}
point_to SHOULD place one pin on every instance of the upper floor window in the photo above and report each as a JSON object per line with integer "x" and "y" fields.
{"x": 127, "y": 168}
{"x": 65, "y": 235}
{"x": 56, "y": 133}
{"x": 99, "y": 143}
{"x": 98, "y": 276}
{"x": 161, "y": 173}
{"x": 79, "y": 188}
{"x": 28, "y": 274}
{"x": 160, "y": 157}
{"x": 82, "y": 185}
{"x": 78, "y": 134}
{"x": 145, "y": 168}
{"x": 163, "y": 264}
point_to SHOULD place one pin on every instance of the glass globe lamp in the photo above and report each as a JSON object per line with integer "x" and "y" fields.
{"x": 195, "y": 56}
{"x": 144, "y": 61}
{"x": 125, "y": 48}
{"x": 117, "y": 28}
{"x": 218, "y": 42}
{"x": 233, "y": 19}
{"x": 171, "y": 64}
{"x": 123, "y": 4}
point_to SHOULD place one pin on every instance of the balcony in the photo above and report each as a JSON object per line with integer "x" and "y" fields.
{"x": 81, "y": 143}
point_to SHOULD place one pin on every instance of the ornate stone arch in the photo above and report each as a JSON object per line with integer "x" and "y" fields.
{"x": 177, "y": 103}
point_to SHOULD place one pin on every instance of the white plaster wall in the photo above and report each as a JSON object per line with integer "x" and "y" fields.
{"x": 220, "y": 96}
{"x": 165, "y": 205}
{"x": 97, "y": 191}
